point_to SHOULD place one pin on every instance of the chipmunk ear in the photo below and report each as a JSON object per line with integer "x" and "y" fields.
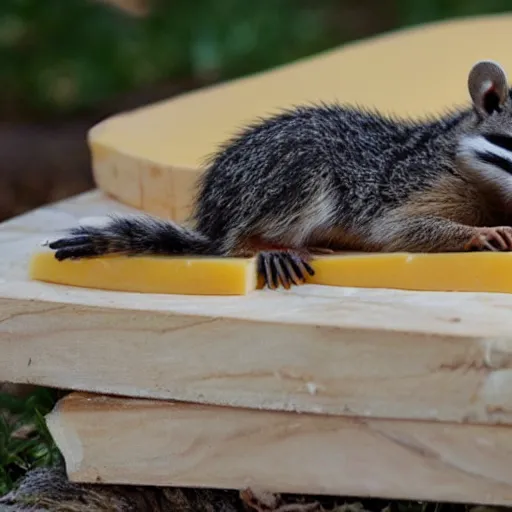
{"x": 488, "y": 87}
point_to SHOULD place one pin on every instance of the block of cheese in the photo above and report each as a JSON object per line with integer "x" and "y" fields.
{"x": 184, "y": 276}
{"x": 150, "y": 158}
{"x": 467, "y": 272}
{"x": 462, "y": 272}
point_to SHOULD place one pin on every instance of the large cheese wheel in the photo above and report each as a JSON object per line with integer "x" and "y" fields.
{"x": 150, "y": 158}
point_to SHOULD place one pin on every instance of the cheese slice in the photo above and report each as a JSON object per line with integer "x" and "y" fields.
{"x": 463, "y": 272}
{"x": 154, "y": 274}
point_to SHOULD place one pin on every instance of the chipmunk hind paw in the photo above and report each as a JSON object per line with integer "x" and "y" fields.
{"x": 284, "y": 268}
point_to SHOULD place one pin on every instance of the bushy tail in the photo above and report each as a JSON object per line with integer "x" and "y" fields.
{"x": 131, "y": 235}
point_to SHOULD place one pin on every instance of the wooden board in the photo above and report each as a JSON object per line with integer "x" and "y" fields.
{"x": 150, "y": 158}
{"x": 374, "y": 353}
{"x": 131, "y": 441}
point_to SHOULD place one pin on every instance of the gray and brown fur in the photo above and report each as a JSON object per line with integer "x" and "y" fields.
{"x": 340, "y": 177}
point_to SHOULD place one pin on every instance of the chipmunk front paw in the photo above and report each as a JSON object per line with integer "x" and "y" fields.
{"x": 491, "y": 239}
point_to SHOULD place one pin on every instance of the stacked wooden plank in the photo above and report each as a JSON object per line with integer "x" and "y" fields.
{"x": 318, "y": 390}
{"x": 315, "y": 390}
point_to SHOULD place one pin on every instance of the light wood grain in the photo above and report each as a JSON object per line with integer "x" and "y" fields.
{"x": 130, "y": 441}
{"x": 374, "y": 353}
{"x": 151, "y": 158}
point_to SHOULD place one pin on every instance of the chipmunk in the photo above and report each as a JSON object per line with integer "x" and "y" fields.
{"x": 333, "y": 177}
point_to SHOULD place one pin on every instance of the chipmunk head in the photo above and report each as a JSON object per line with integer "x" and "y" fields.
{"x": 487, "y": 147}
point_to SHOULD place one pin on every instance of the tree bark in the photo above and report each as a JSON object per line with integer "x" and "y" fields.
{"x": 46, "y": 489}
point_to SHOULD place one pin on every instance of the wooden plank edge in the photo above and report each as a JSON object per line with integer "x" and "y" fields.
{"x": 143, "y": 442}
{"x": 262, "y": 365}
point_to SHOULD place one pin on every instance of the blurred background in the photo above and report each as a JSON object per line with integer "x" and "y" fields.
{"x": 66, "y": 64}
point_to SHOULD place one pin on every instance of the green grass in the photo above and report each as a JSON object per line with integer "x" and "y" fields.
{"x": 25, "y": 441}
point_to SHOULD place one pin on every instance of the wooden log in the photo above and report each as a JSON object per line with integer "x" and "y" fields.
{"x": 151, "y": 158}
{"x": 131, "y": 441}
{"x": 319, "y": 349}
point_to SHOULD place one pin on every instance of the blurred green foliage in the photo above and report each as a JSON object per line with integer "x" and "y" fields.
{"x": 67, "y": 55}
{"x": 413, "y": 12}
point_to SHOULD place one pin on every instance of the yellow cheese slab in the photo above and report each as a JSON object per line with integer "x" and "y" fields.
{"x": 465, "y": 272}
{"x": 151, "y": 158}
{"x": 183, "y": 276}
{"x": 462, "y": 272}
